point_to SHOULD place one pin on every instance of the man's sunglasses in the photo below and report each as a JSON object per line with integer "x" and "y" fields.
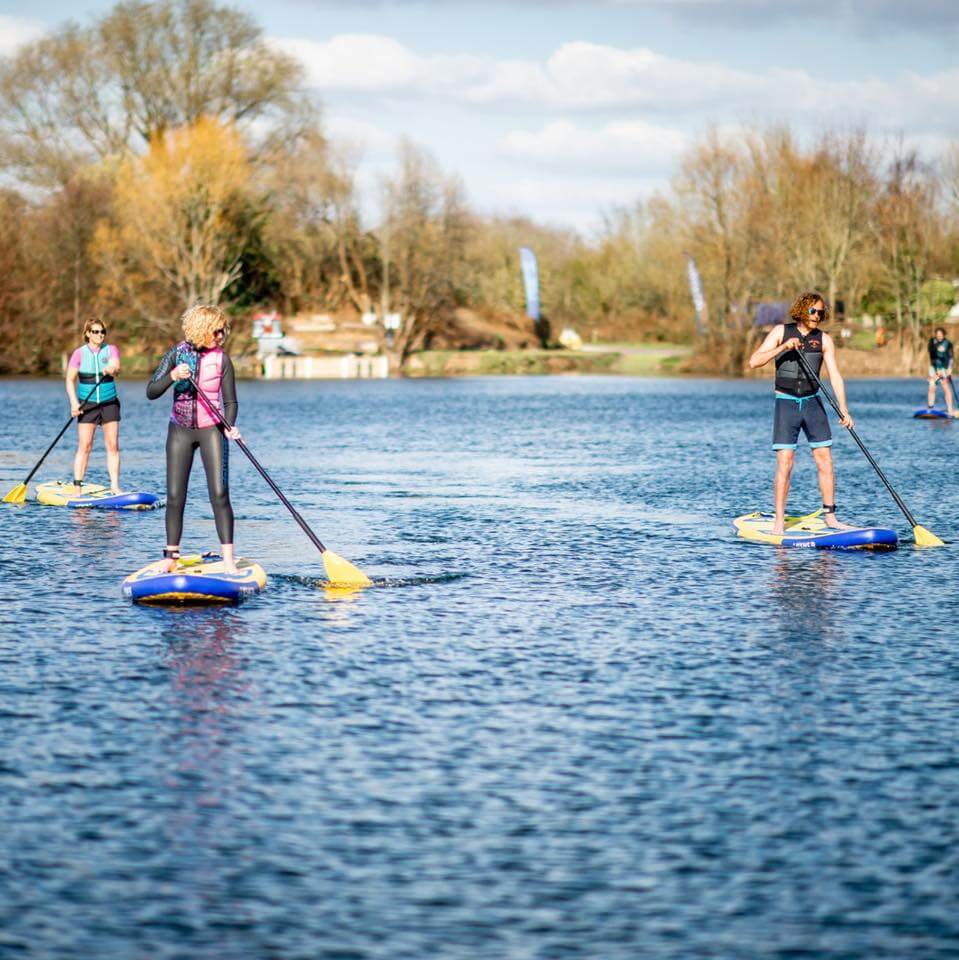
{"x": 813, "y": 312}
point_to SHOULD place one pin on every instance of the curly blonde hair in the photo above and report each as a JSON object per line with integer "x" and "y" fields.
{"x": 797, "y": 312}
{"x": 200, "y": 322}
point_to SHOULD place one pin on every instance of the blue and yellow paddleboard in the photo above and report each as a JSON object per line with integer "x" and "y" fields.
{"x": 931, "y": 413}
{"x": 811, "y": 532}
{"x": 197, "y": 579}
{"x": 57, "y": 493}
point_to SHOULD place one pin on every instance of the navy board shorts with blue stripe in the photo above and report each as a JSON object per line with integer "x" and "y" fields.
{"x": 800, "y": 413}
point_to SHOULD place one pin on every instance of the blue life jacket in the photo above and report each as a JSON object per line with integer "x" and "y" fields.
{"x": 91, "y": 368}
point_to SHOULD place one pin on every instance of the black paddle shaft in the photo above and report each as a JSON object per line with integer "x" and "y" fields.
{"x": 63, "y": 431}
{"x": 895, "y": 496}
{"x": 952, "y": 387}
{"x": 256, "y": 463}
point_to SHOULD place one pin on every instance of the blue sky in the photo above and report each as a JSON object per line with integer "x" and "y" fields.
{"x": 562, "y": 110}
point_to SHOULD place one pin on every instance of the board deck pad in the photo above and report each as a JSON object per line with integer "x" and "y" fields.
{"x": 197, "y": 579}
{"x": 60, "y": 493}
{"x": 811, "y": 532}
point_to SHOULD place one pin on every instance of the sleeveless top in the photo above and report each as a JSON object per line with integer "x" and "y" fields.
{"x": 940, "y": 353}
{"x": 90, "y": 364}
{"x": 790, "y": 376}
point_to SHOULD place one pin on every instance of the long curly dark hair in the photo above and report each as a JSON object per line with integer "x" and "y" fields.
{"x": 798, "y": 311}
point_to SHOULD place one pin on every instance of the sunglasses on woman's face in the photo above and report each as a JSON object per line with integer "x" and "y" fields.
{"x": 219, "y": 333}
{"x": 96, "y": 331}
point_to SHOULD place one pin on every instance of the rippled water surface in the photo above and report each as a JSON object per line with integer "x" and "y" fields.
{"x": 576, "y": 718}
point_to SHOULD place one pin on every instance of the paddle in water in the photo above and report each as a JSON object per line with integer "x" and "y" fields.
{"x": 341, "y": 572}
{"x": 923, "y": 537}
{"x": 19, "y": 493}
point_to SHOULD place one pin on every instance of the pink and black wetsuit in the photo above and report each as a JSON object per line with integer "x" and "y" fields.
{"x": 193, "y": 426}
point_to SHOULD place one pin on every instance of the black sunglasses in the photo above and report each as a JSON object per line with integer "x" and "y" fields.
{"x": 813, "y": 312}
{"x": 97, "y": 330}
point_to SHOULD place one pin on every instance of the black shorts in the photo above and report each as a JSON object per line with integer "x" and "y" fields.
{"x": 794, "y": 414}
{"x": 108, "y": 412}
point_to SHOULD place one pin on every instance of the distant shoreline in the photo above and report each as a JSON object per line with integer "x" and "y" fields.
{"x": 630, "y": 359}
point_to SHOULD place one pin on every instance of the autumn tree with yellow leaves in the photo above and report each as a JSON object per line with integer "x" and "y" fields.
{"x": 175, "y": 234}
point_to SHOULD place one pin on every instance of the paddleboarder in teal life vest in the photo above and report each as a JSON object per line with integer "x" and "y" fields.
{"x": 940, "y": 370}
{"x": 798, "y": 404}
{"x": 94, "y": 401}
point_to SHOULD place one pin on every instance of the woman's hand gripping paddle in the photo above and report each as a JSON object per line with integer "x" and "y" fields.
{"x": 341, "y": 573}
{"x": 19, "y": 493}
{"x": 923, "y": 537}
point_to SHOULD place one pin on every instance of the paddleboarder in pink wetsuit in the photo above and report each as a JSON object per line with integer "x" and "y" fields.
{"x": 193, "y": 426}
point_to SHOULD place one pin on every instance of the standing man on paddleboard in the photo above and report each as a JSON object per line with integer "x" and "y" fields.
{"x": 940, "y": 369}
{"x": 95, "y": 402}
{"x": 193, "y": 426}
{"x": 798, "y": 404}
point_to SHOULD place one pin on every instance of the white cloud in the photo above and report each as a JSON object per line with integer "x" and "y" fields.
{"x": 16, "y": 31}
{"x": 370, "y": 63}
{"x": 589, "y": 77}
{"x": 625, "y": 147}
{"x": 575, "y": 201}
{"x": 361, "y": 134}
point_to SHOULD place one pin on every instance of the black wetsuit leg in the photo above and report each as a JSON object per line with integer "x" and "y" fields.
{"x": 216, "y": 461}
{"x": 181, "y": 444}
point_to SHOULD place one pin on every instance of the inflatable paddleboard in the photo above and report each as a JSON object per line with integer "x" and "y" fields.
{"x": 812, "y": 532}
{"x": 56, "y": 493}
{"x": 197, "y": 579}
{"x": 931, "y": 413}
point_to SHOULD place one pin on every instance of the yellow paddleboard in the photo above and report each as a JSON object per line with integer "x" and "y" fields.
{"x": 811, "y": 532}
{"x": 57, "y": 493}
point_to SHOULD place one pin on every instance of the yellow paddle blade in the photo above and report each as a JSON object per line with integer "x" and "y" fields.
{"x": 17, "y": 495}
{"x": 342, "y": 573}
{"x": 925, "y": 538}
{"x": 334, "y": 592}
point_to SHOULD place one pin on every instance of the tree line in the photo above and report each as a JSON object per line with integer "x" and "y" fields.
{"x": 165, "y": 155}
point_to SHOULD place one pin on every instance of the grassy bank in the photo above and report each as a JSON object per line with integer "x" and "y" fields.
{"x": 626, "y": 359}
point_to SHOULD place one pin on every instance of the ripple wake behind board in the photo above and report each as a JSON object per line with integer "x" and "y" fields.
{"x": 197, "y": 579}
{"x": 57, "y": 493}
{"x": 931, "y": 413}
{"x": 811, "y": 532}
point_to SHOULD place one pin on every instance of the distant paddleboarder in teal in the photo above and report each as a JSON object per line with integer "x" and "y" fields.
{"x": 798, "y": 403}
{"x": 94, "y": 401}
{"x": 940, "y": 370}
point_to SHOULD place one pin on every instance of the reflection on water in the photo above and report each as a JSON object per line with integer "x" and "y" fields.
{"x": 804, "y": 590}
{"x": 574, "y": 717}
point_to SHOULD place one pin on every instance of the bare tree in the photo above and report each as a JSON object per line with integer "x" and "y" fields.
{"x": 907, "y": 228}
{"x": 316, "y": 240}
{"x": 86, "y": 93}
{"x": 425, "y": 229}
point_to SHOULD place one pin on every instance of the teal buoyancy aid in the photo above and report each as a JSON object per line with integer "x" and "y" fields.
{"x": 91, "y": 369}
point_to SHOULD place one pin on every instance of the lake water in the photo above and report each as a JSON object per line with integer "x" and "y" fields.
{"x": 575, "y": 717}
